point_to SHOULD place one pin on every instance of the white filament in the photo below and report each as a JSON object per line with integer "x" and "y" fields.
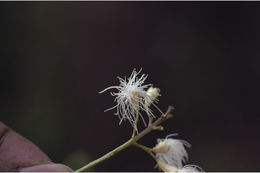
{"x": 177, "y": 154}
{"x": 130, "y": 98}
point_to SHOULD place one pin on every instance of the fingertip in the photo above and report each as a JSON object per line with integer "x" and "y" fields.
{"x": 47, "y": 168}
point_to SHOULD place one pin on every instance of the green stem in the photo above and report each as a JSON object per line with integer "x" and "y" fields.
{"x": 136, "y": 122}
{"x": 106, "y": 156}
{"x": 149, "y": 116}
{"x": 130, "y": 142}
{"x": 147, "y": 149}
{"x": 143, "y": 147}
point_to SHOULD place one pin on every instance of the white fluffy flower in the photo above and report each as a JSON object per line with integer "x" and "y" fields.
{"x": 190, "y": 168}
{"x": 171, "y": 154}
{"x": 169, "y": 168}
{"x": 172, "y": 151}
{"x": 166, "y": 167}
{"x": 131, "y": 97}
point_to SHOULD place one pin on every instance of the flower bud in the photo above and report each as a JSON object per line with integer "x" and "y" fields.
{"x": 161, "y": 147}
{"x": 153, "y": 93}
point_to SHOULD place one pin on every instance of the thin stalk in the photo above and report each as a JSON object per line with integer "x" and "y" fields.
{"x": 131, "y": 141}
{"x": 106, "y": 156}
{"x": 136, "y": 122}
{"x": 143, "y": 147}
{"x": 147, "y": 149}
{"x": 149, "y": 116}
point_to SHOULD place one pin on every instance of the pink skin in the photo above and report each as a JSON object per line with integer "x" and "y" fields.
{"x": 19, "y": 154}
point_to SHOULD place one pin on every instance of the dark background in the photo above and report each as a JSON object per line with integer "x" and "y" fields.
{"x": 204, "y": 56}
